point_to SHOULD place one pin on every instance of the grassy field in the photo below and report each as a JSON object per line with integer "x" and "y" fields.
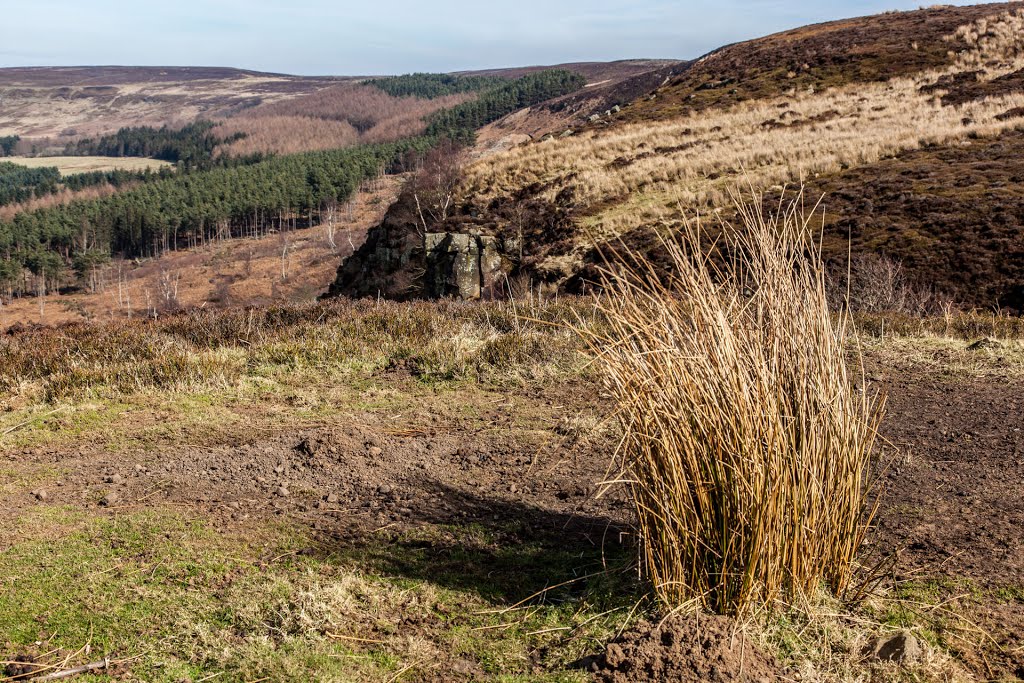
{"x": 379, "y": 492}
{"x": 72, "y": 165}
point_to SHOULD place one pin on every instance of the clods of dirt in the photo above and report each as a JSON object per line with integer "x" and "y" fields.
{"x": 685, "y": 648}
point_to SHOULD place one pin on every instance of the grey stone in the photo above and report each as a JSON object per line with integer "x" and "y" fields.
{"x": 462, "y": 265}
{"x": 282, "y": 491}
{"x": 903, "y": 648}
{"x": 110, "y": 499}
{"x": 332, "y": 498}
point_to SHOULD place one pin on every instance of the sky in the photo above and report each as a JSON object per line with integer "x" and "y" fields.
{"x": 340, "y": 37}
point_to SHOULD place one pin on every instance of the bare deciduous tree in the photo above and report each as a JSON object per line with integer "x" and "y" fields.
{"x": 436, "y": 182}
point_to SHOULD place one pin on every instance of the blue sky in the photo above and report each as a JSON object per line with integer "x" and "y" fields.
{"x": 391, "y": 36}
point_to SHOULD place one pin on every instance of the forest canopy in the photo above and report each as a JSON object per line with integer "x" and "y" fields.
{"x": 431, "y": 86}
{"x": 190, "y": 146}
{"x": 462, "y": 120}
{"x": 191, "y": 208}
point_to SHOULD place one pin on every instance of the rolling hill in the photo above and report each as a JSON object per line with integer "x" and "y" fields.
{"x": 839, "y": 106}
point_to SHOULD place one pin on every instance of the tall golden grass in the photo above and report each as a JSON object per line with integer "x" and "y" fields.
{"x": 746, "y": 443}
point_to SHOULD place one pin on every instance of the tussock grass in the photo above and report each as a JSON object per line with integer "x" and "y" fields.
{"x": 745, "y": 442}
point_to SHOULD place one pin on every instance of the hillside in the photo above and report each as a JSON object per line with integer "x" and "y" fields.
{"x": 689, "y": 146}
{"x": 865, "y": 50}
{"x": 438, "y": 378}
{"x": 50, "y": 106}
{"x": 65, "y": 102}
{"x": 293, "y": 266}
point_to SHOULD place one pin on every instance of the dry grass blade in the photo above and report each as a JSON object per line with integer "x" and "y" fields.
{"x": 747, "y": 443}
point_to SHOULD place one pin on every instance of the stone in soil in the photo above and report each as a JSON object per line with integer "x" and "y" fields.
{"x": 902, "y": 648}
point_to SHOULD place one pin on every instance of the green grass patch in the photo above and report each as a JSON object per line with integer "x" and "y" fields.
{"x": 186, "y": 601}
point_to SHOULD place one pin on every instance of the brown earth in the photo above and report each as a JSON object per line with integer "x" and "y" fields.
{"x": 363, "y": 476}
{"x": 952, "y": 506}
{"x": 685, "y": 649}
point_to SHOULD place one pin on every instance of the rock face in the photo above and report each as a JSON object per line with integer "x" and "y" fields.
{"x": 400, "y": 261}
{"x": 461, "y": 265}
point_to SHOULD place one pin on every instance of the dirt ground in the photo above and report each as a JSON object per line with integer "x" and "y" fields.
{"x": 953, "y": 509}
{"x": 393, "y": 457}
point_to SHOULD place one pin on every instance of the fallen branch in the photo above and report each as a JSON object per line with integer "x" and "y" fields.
{"x": 26, "y": 423}
{"x": 68, "y": 673}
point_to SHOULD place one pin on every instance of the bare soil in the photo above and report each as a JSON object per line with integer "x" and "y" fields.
{"x": 685, "y": 649}
{"x": 951, "y": 509}
{"x": 952, "y": 506}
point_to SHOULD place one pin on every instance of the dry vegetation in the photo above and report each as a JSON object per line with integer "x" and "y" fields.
{"x": 643, "y": 172}
{"x": 62, "y": 104}
{"x": 748, "y": 422}
{"x": 746, "y": 445}
{"x": 290, "y": 267}
{"x": 338, "y": 116}
{"x": 60, "y": 198}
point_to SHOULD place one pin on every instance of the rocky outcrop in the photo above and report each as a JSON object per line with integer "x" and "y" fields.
{"x": 462, "y": 265}
{"x": 474, "y": 253}
{"x": 400, "y": 261}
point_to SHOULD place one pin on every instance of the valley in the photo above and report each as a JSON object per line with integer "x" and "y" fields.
{"x": 613, "y": 372}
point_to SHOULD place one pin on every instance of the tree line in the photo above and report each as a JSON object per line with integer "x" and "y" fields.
{"x": 186, "y": 210}
{"x": 190, "y": 147}
{"x": 461, "y": 121}
{"x": 8, "y": 143}
{"x": 21, "y": 184}
{"x": 431, "y": 86}
{"x": 227, "y": 197}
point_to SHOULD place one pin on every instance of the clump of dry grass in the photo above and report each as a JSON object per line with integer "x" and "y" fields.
{"x": 745, "y": 442}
